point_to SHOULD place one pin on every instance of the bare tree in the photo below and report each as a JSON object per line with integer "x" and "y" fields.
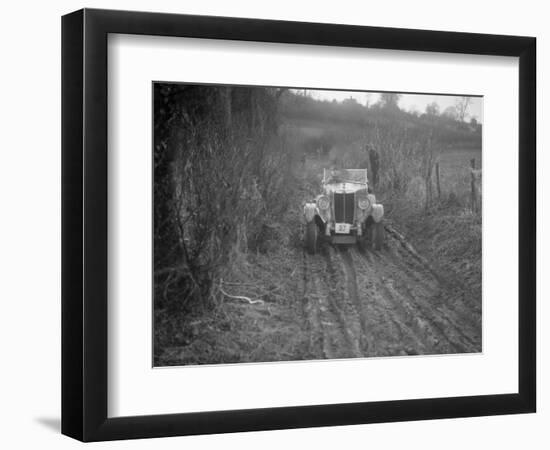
{"x": 389, "y": 100}
{"x": 432, "y": 109}
{"x": 395, "y": 156}
{"x": 368, "y": 99}
{"x": 462, "y": 105}
{"x": 450, "y": 112}
{"x": 217, "y": 171}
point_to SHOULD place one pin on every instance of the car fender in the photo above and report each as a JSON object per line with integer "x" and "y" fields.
{"x": 310, "y": 211}
{"x": 377, "y": 212}
{"x": 372, "y": 199}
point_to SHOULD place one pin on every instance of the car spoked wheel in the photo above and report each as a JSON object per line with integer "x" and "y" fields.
{"x": 312, "y": 236}
{"x": 378, "y": 235}
{"x": 362, "y": 241}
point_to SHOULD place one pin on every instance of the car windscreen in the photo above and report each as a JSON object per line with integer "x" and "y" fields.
{"x": 345, "y": 176}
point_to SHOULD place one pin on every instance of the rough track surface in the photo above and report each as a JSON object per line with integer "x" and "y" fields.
{"x": 385, "y": 303}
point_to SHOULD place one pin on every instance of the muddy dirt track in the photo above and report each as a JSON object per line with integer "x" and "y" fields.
{"x": 339, "y": 303}
{"x": 385, "y": 303}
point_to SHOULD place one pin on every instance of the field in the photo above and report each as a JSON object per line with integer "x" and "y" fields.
{"x": 450, "y": 234}
{"x": 455, "y": 171}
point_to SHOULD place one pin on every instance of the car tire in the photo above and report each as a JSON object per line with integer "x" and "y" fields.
{"x": 312, "y": 233}
{"x": 362, "y": 241}
{"x": 378, "y": 235}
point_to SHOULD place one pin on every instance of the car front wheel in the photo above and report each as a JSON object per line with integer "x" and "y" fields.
{"x": 362, "y": 241}
{"x": 378, "y": 235}
{"x": 311, "y": 237}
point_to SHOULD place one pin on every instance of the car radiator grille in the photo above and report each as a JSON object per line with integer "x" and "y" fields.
{"x": 344, "y": 208}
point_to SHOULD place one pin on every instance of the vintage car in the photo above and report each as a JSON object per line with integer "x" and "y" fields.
{"x": 345, "y": 213}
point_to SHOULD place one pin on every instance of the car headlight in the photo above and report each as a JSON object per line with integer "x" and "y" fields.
{"x": 323, "y": 203}
{"x": 363, "y": 203}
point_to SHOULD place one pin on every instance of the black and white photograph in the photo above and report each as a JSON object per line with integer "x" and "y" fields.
{"x": 297, "y": 224}
{"x": 270, "y": 225}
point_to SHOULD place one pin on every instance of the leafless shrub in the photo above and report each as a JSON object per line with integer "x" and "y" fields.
{"x": 396, "y": 151}
{"x": 225, "y": 179}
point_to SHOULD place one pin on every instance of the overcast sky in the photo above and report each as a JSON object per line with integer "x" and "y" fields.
{"x": 407, "y": 102}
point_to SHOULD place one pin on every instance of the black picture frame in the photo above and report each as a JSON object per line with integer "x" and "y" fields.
{"x": 84, "y": 224}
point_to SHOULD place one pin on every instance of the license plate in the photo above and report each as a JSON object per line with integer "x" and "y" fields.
{"x": 342, "y": 228}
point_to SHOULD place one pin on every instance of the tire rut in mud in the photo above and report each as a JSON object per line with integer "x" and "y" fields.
{"x": 341, "y": 300}
{"x": 445, "y": 302}
{"x": 311, "y": 311}
{"x": 335, "y": 330}
{"x": 384, "y": 303}
{"x": 365, "y": 338}
{"x": 428, "y": 311}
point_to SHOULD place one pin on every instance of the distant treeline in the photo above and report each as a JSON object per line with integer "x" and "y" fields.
{"x": 451, "y": 132}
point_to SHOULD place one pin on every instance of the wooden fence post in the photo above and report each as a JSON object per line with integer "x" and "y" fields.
{"x": 437, "y": 180}
{"x": 473, "y": 196}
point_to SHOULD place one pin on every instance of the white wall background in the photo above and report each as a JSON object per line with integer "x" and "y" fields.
{"x": 30, "y": 226}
